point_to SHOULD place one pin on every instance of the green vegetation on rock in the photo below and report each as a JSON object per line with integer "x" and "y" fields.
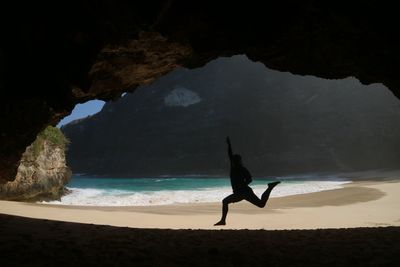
{"x": 50, "y": 134}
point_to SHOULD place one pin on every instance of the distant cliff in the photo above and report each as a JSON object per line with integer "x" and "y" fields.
{"x": 280, "y": 123}
{"x": 42, "y": 172}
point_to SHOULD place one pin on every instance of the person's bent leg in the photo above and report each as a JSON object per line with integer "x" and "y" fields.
{"x": 225, "y": 202}
{"x": 265, "y": 195}
{"x": 253, "y": 199}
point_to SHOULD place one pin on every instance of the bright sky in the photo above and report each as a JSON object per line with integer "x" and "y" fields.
{"x": 83, "y": 110}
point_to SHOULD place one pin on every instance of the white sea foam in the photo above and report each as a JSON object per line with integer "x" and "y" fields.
{"x": 165, "y": 180}
{"x": 101, "y": 197}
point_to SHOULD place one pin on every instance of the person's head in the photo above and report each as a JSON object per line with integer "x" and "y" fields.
{"x": 237, "y": 160}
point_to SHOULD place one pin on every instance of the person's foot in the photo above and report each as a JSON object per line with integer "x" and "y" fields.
{"x": 272, "y": 185}
{"x": 220, "y": 223}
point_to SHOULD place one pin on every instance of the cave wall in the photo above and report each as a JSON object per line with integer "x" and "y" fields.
{"x": 53, "y": 56}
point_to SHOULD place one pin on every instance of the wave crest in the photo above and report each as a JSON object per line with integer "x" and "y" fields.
{"x": 113, "y": 197}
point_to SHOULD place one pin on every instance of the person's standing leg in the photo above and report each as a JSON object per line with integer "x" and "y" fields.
{"x": 225, "y": 202}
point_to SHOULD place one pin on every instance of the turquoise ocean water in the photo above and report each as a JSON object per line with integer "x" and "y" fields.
{"x": 94, "y": 191}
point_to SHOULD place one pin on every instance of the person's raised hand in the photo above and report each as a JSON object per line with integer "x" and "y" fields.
{"x": 228, "y": 141}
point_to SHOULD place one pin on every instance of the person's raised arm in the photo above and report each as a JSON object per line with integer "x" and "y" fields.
{"x": 228, "y": 141}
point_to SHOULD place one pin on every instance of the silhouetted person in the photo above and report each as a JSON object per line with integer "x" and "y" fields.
{"x": 240, "y": 180}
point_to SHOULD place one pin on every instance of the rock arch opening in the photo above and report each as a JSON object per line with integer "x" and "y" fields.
{"x": 282, "y": 123}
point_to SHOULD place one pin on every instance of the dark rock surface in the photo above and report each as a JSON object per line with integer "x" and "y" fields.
{"x": 280, "y": 123}
{"x": 54, "y": 55}
{"x": 54, "y": 243}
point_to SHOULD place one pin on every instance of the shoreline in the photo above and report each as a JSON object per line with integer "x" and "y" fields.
{"x": 357, "y": 204}
{"x": 175, "y": 194}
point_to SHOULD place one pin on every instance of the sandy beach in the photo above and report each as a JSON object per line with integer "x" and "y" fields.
{"x": 365, "y": 215}
{"x": 357, "y": 204}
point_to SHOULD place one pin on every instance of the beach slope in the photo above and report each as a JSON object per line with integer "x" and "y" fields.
{"x": 355, "y": 211}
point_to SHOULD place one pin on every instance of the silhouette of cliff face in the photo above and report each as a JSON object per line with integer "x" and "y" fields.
{"x": 282, "y": 124}
{"x": 55, "y": 55}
